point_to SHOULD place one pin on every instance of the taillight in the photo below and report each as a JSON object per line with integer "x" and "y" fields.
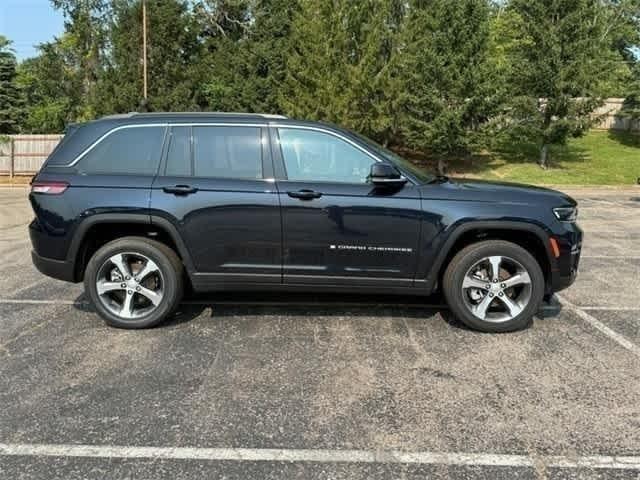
{"x": 50, "y": 188}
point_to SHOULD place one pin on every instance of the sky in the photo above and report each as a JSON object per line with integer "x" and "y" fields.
{"x": 28, "y": 23}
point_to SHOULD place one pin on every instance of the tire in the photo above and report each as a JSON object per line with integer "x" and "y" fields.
{"x": 142, "y": 304}
{"x": 504, "y": 309}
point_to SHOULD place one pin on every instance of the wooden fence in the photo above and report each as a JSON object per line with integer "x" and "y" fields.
{"x": 25, "y": 154}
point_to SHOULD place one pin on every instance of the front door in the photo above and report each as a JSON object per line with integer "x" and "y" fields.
{"x": 337, "y": 227}
{"x": 216, "y": 187}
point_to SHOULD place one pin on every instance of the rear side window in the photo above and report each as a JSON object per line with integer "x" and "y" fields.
{"x": 132, "y": 150}
{"x": 227, "y": 152}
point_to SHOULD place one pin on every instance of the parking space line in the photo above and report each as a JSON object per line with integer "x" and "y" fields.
{"x": 319, "y": 456}
{"x": 21, "y": 301}
{"x": 608, "y": 309}
{"x": 597, "y": 324}
{"x": 614, "y": 257}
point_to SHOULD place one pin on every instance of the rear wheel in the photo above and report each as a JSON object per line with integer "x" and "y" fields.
{"x": 134, "y": 282}
{"x": 494, "y": 286}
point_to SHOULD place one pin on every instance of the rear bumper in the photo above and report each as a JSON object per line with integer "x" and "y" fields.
{"x": 60, "y": 269}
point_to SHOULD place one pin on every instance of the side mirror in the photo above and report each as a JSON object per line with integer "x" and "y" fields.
{"x": 383, "y": 174}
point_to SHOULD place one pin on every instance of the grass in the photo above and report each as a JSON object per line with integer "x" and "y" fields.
{"x": 599, "y": 158}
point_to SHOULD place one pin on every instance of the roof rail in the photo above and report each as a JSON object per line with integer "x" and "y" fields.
{"x": 191, "y": 114}
{"x": 117, "y": 116}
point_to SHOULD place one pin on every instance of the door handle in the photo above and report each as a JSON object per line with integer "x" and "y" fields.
{"x": 305, "y": 194}
{"x": 180, "y": 189}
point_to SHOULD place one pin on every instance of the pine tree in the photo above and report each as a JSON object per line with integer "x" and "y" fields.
{"x": 451, "y": 90}
{"x": 343, "y": 65}
{"x": 9, "y": 94}
{"x": 172, "y": 52}
{"x": 560, "y": 70}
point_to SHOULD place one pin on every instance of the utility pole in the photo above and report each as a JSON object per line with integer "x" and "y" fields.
{"x": 144, "y": 48}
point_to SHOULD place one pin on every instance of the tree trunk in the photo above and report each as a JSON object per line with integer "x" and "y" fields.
{"x": 441, "y": 167}
{"x": 544, "y": 155}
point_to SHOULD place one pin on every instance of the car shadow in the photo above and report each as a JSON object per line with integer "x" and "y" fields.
{"x": 229, "y": 304}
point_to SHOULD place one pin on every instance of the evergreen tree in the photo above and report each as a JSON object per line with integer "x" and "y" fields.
{"x": 452, "y": 92}
{"x": 224, "y": 28}
{"x": 261, "y": 63}
{"x": 172, "y": 52}
{"x": 9, "y": 95}
{"x": 343, "y": 65}
{"x": 561, "y": 68}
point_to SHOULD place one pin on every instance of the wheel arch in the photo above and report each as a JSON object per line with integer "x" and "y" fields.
{"x": 531, "y": 237}
{"x": 97, "y": 230}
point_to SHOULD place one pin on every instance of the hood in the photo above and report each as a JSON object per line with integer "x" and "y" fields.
{"x": 483, "y": 190}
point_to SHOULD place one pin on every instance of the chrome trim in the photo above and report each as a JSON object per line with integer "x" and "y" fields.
{"x": 400, "y": 179}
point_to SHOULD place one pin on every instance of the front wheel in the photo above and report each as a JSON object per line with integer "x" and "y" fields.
{"x": 494, "y": 286}
{"x": 134, "y": 282}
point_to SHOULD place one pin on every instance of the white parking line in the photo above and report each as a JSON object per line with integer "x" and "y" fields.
{"x": 319, "y": 456}
{"x": 615, "y": 257}
{"x": 609, "y": 309}
{"x": 30, "y": 301}
{"x": 594, "y": 322}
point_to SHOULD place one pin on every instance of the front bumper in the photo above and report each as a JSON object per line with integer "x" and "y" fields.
{"x": 566, "y": 269}
{"x": 60, "y": 269}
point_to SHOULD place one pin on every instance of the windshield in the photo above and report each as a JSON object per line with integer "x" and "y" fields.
{"x": 406, "y": 165}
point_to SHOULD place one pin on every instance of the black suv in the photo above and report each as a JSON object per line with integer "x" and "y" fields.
{"x": 139, "y": 206}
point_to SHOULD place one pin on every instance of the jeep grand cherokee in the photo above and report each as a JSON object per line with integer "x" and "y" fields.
{"x": 140, "y": 205}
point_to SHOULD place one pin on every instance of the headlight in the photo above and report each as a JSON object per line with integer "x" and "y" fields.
{"x": 566, "y": 214}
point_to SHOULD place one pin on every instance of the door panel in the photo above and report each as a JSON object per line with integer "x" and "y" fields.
{"x": 352, "y": 234}
{"x": 229, "y": 226}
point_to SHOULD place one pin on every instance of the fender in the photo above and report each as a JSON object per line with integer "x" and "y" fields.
{"x": 133, "y": 218}
{"x": 523, "y": 226}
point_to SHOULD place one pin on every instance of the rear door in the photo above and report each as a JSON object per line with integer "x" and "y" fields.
{"x": 337, "y": 227}
{"x": 216, "y": 187}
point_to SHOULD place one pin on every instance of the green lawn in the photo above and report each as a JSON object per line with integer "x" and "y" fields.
{"x": 599, "y": 158}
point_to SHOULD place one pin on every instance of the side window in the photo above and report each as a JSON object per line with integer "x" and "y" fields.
{"x": 318, "y": 156}
{"x": 179, "y": 153}
{"x": 227, "y": 152}
{"x": 132, "y": 150}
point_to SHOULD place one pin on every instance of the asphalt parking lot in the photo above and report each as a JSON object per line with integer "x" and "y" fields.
{"x": 255, "y": 386}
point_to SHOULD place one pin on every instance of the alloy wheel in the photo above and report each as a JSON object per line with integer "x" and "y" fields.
{"x": 496, "y": 289}
{"x": 130, "y": 285}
